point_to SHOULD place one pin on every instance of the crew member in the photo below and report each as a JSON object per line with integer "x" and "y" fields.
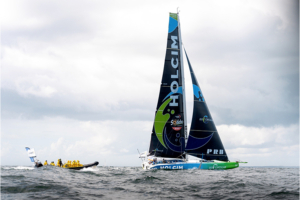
{"x": 45, "y": 163}
{"x": 38, "y": 163}
{"x": 78, "y": 164}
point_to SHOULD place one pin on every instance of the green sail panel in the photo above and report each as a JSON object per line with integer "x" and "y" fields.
{"x": 167, "y": 137}
{"x": 204, "y": 140}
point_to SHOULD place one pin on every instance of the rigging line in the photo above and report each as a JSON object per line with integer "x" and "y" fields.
{"x": 180, "y": 155}
{"x": 200, "y": 164}
{"x": 140, "y": 155}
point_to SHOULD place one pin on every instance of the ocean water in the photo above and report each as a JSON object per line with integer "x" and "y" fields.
{"x": 49, "y": 182}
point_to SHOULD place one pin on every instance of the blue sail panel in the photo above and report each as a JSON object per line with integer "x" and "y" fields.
{"x": 173, "y": 23}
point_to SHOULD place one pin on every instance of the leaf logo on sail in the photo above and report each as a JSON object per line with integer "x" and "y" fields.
{"x": 160, "y": 121}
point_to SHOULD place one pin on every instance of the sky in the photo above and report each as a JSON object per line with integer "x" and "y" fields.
{"x": 80, "y": 80}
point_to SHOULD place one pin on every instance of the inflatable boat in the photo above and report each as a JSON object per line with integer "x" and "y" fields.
{"x": 68, "y": 166}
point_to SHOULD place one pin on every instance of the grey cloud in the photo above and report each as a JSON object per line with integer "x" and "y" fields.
{"x": 262, "y": 60}
{"x": 30, "y": 107}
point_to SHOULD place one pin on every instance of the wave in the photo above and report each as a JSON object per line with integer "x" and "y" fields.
{"x": 90, "y": 169}
{"x": 19, "y": 168}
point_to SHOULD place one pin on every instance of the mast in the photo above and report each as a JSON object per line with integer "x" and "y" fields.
{"x": 183, "y": 80}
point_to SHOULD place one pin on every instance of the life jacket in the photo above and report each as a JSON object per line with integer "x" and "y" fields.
{"x": 58, "y": 162}
{"x": 78, "y": 164}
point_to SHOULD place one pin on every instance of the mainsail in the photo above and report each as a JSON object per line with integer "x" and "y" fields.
{"x": 204, "y": 141}
{"x": 168, "y": 134}
{"x": 31, "y": 154}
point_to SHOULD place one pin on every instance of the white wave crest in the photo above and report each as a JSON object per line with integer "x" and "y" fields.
{"x": 93, "y": 169}
{"x": 19, "y": 167}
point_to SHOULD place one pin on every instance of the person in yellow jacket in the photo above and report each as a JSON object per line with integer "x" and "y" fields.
{"x": 59, "y": 163}
{"x": 52, "y": 163}
{"x": 45, "y": 163}
{"x": 78, "y": 164}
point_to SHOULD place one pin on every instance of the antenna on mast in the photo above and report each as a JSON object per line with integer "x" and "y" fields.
{"x": 178, "y": 10}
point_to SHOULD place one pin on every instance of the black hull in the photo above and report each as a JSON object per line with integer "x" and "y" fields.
{"x": 84, "y": 166}
{"x": 38, "y": 165}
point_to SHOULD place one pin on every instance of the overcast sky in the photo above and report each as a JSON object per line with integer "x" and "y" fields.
{"x": 80, "y": 79}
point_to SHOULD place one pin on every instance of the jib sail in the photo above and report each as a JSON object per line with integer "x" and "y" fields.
{"x": 203, "y": 141}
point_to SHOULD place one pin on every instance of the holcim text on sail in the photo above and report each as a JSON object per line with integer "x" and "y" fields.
{"x": 174, "y": 63}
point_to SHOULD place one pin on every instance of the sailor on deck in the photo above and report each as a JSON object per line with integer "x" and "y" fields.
{"x": 38, "y": 163}
{"x": 45, "y": 163}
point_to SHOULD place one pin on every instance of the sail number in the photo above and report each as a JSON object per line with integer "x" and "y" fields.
{"x": 216, "y": 151}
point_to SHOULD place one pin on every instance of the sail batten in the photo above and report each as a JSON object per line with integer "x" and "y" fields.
{"x": 202, "y": 130}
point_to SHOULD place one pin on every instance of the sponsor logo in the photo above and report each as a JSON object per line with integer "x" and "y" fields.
{"x": 177, "y": 123}
{"x": 215, "y": 166}
{"x": 205, "y": 119}
{"x": 171, "y": 167}
{"x": 174, "y": 63}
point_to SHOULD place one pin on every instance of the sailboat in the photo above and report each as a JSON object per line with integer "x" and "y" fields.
{"x": 32, "y": 156}
{"x": 67, "y": 165}
{"x": 170, "y": 145}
